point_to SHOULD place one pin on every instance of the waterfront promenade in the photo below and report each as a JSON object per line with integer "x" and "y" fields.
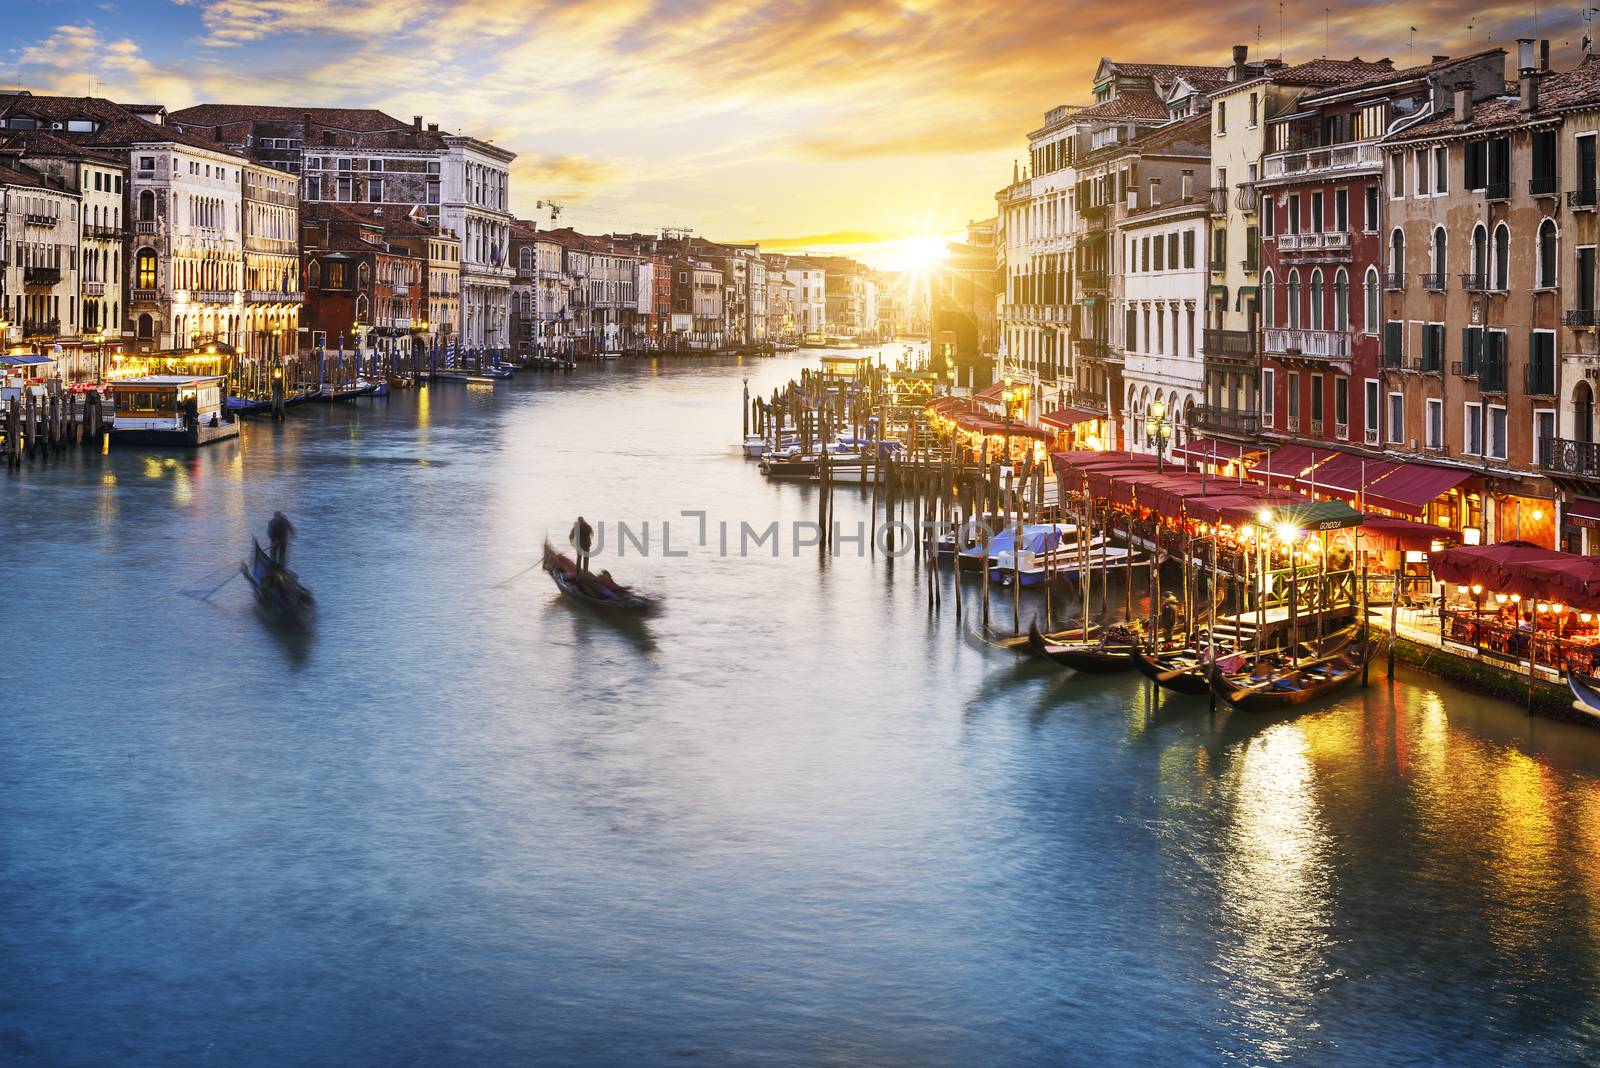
{"x": 795, "y": 818}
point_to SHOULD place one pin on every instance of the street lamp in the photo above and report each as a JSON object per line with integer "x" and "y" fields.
{"x": 1006, "y": 396}
{"x": 1159, "y": 430}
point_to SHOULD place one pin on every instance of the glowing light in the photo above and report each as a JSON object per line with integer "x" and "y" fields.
{"x": 1287, "y": 533}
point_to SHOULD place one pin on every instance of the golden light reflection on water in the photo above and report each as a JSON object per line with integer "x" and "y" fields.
{"x": 1274, "y": 886}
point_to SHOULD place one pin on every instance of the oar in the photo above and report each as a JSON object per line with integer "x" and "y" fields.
{"x": 233, "y": 570}
{"x": 518, "y": 575}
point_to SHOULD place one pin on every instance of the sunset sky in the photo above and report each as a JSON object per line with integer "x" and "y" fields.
{"x": 875, "y": 127}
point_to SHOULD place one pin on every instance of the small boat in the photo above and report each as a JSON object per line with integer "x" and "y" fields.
{"x": 589, "y": 588}
{"x": 1587, "y": 692}
{"x": 1062, "y": 565}
{"x": 754, "y": 446}
{"x": 1113, "y": 652}
{"x": 790, "y": 467}
{"x": 1039, "y": 535}
{"x": 361, "y": 388}
{"x": 279, "y": 594}
{"x": 249, "y": 405}
{"x": 1179, "y": 670}
{"x": 1298, "y": 685}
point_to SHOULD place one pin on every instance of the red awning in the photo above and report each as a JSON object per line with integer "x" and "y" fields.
{"x": 1345, "y": 475}
{"x": 991, "y": 392}
{"x": 1466, "y": 564}
{"x": 1062, "y": 418}
{"x": 1411, "y": 487}
{"x": 1582, "y": 511}
{"x": 1212, "y": 452}
{"x": 1235, "y": 508}
{"x": 1387, "y": 533}
{"x": 1287, "y": 463}
{"x": 1563, "y": 578}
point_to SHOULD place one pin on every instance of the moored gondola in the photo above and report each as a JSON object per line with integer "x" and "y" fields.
{"x": 1109, "y": 654}
{"x": 1298, "y": 685}
{"x": 279, "y": 593}
{"x": 1179, "y": 670}
{"x": 1586, "y": 691}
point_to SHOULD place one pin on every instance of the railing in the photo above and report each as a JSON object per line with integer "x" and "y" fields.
{"x": 146, "y": 226}
{"x": 1371, "y": 435}
{"x": 1218, "y": 266}
{"x": 1316, "y": 428}
{"x": 1292, "y": 424}
{"x": 211, "y": 296}
{"x": 1497, "y": 191}
{"x": 39, "y": 218}
{"x": 41, "y": 276}
{"x": 1334, "y": 157}
{"x": 148, "y": 296}
{"x": 1394, "y": 280}
{"x": 41, "y": 327}
{"x": 275, "y": 296}
{"x": 1541, "y": 381}
{"x": 1225, "y": 420}
{"x": 1218, "y": 197}
{"x": 1336, "y": 239}
{"x": 1464, "y": 368}
{"x": 1341, "y": 431}
{"x": 1249, "y": 265}
{"x": 1582, "y": 317}
{"x": 1327, "y": 344}
{"x": 1092, "y": 279}
{"x": 1428, "y": 365}
{"x": 101, "y": 232}
{"x": 1475, "y": 283}
{"x": 1543, "y": 186}
{"x": 1240, "y": 344}
{"x": 1245, "y": 197}
{"x": 1566, "y": 456}
{"x": 1582, "y": 199}
{"x": 1087, "y": 399}
{"x": 1093, "y": 348}
{"x": 94, "y": 289}
{"x": 1288, "y": 242}
{"x": 1391, "y": 360}
{"x": 1492, "y": 374}
{"x": 1434, "y": 282}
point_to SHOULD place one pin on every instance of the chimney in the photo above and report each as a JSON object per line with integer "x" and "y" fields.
{"x": 216, "y": 134}
{"x": 1527, "y": 76}
{"x": 305, "y": 126}
{"x": 1463, "y": 103}
{"x": 1239, "y": 54}
{"x": 433, "y": 127}
{"x": 416, "y": 123}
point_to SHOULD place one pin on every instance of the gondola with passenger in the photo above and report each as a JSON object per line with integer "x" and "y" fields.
{"x": 1273, "y": 686}
{"x": 279, "y": 593}
{"x": 598, "y": 591}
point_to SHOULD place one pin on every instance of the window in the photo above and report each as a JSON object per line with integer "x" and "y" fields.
{"x": 1435, "y": 422}
{"x": 344, "y": 165}
{"x": 1316, "y": 212}
{"x": 1294, "y": 213}
{"x": 1502, "y": 256}
{"x": 1480, "y": 255}
{"x": 1474, "y": 165}
{"x": 1438, "y": 255}
{"x": 1371, "y": 413}
{"x": 1294, "y": 300}
{"x": 1441, "y": 183}
{"x": 1471, "y": 349}
{"x": 1544, "y": 433}
{"x": 1433, "y": 347}
{"x": 1397, "y": 175}
{"x": 145, "y": 269}
{"x": 1397, "y": 253}
{"x": 1369, "y": 221}
{"x": 313, "y": 188}
{"x": 375, "y": 190}
{"x": 1222, "y": 117}
{"x": 1161, "y": 254}
{"x": 1269, "y": 218}
{"x": 1172, "y": 251}
{"x": 1421, "y": 163}
{"x": 1269, "y": 300}
{"x": 1293, "y": 396}
{"x": 1341, "y": 300}
{"x": 1341, "y": 211}
{"x": 1497, "y": 432}
{"x": 1316, "y": 299}
{"x": 1542, "y": 363}
{"x": 1268, "y": 395}
{"x": 1341, "y": 406}
{"x": 1472, "y": 430}
{"x": 1394, "y": 343}
{"x": 1547, "y": 254}
{"x": 1397, "y": 418}
{"x": 374, "y": 164}
{"x": 147, "y": 163}
{"x": 1255, "y": 111}
{"x": 1219, "y": 249}
{"x": 1188, "y": 250}
{"x": 1316, "y": 397}
{"x": 1369, "y": 302}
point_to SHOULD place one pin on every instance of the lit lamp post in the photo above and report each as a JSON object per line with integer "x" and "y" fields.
{"x": 99, "y": 356}
{"x": 1159, "y": 430}
{"x": 1006, "y": 395}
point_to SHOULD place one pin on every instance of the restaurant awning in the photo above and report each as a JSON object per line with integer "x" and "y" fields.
{"x": 1583, "y": 512}
{"x": 1411, "y": 487}
{"x": 991, "y": 392}
{"x": 1387, "y": 533}
{"x": 1345, "y": 475}
{"x": 1467, "y": 564}
{"x": 1062, "y": 418}
{"x": 1202, "y": 450}
{"x": 1288, "y": 462}
{"x": 1315, "y": 515}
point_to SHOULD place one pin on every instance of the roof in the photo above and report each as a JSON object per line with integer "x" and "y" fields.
{"x": 1332, "y": 72}
{"x": 165, "y": 380}
{"x": 393, "y": 219}
{"x": 366, "y": 127}
{"x": 1572, "y": 90}
{"x": 1406, "y": 74}
{"x": 116, "y": 126}
{"x": 22, "y": 176}
{"x": 1200, "y": 76}
{"x": 46, "y": 144}
{"x": 1132, "y": 104}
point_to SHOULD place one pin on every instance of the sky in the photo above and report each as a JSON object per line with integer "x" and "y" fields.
{"x": 876, "y": 128}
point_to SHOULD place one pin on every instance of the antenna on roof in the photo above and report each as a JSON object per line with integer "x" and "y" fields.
{"x": 1411, "y": 48}
{"x": 1588, "y": 16}
{"x": 1327, "y": 36}
{"x": 1280, "y": 29}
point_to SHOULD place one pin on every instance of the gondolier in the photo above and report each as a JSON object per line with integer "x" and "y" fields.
{"x": 582, "y": 539}
{"x": 279, "y": 531}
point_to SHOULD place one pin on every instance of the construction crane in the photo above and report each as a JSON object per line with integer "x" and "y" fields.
{"x": 555, "y": 208}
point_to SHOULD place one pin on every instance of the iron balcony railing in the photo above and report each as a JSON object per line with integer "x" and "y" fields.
{"x": 40, "y": 327}
{"x": 1218, "y": 198}
{"x": 1475, "y": 283}
{"x": 1492, "y": 374}
{"x": 1093, "y": 348}
{"x": 1567, "y": 456}
{"x": 1093, "y": 279}
{"x": 1582, "y": 317}
{"x": 1244, "y": 197}
{"x": 1088, "y": 399}
{"x": 1222, "y": 420}
{"x": 1497, "y": 191}
{"x": 1394, "y": 280}
{"x": 1583, "y": 199}
{"x": 1434, "y": 282}
{"x": 41, "y": 276}
{"x": 1543, "y": 185}
{"x": 1240, "y": 344}
{"x": 1464, "y": 368}
{"x": 1541, "y": 380}
{"x": 39, "y": 218}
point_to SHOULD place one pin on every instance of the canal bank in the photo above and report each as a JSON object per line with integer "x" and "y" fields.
{"x": 795, "y": 818}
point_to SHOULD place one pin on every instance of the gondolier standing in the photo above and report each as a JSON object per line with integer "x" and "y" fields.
{"x": 279, "y": 531}
{"x": 582, "y": 539}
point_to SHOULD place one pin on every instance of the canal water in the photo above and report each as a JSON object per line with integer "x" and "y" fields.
{"x": 794, "y": 820}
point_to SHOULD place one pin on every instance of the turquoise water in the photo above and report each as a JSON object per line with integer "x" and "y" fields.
{"x": 795, "y": 819}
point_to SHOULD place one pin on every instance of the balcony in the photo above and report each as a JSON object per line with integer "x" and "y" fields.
{"x": 1341, "y": 431}
{"x": 1250, "y": 266}
{"x": 1475, "y": 283}
{"x": 1092, "y": 348}
{"x": 39, "y": 218}
{"x": 1092, "y": 212}
{"x": 145, "y": 296}
{"x": 1218, "y": 420}
{"x": 1497, "y": 191}
{"x": 1089, "y": 400}
{"x": 1219, "y": 266}
{"x": 41, "y": 276}
{"x": 1544, "y": 186}
{"x": 1093, "y": 279}
{"x": 1464, "y": 368}
{"x": 1582, "y": 317}
{"x": 211, "y": 296}
{"x": 103, "y": 233}
{"x": 1316, "y": 428}
{"x": 40, "y": 328}
{"x": 94, "y": 289}
{"x": 1360, "y": 155}
{"x": 146, "y": 226}
{"x": 1292, "y": 424}
{"x": 1218, "y": 197}
{"x": 1395, "y": 280}
{"x": 1319, "y": 344}
{"x": 1541, "y": 381}
{"x": 1492, "y": 374}
{"x": 1244, "y": 197}
{"x": 1582, "y": 199}
{"x": 1425, "y": 365}
{"x": 1230, "y": 344}
{"x": 274, "y": 296}
{"x": 1565, "y": 456}
{"x": 1434, "y": 283}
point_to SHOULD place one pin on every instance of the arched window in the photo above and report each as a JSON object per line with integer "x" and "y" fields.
{"x": 361, "y": 306}
{"x": 1341, "y": 300}
{"x": 1316, "y": 299}
{"x": 1269, "y": 300}
{"x": 147, "y": 206}
{"x": 1480, "y": 255}
{"x": 525, "y": 259}
{"x": 1501, "y": 268}
{"x": 146, "y": 326}
{"x": 314, "y": 273}
{"x": 145, "y": 269}
{"x": 1583, "y": 412}
{"x": 1547, "y": 254}
{"x": 1438, "y": 256}
{"x": 1294, "y": 300}
{"x": 364, "y": 275}
{"x": 1397, "y": 252}
{"x": 1369, "y": 302}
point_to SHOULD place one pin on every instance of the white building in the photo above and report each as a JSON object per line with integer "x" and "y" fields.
{"x": 811, "y": 296}
{"x": 476, "y": 197}
{"x": 39, "y": 273}
{"x": 1162, "y": 250}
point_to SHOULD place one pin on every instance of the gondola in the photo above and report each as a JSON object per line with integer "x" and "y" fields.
{"x": 1184, "y": 670}
{"x": 1586, "y": 691}
{"x": 279, "y": 594}
{"x": 1103, "y": 657}
{"x": 1285, "y": 689}
{"x": 589, "y": 588}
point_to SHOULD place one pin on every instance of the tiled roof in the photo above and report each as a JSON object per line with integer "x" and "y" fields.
{"x": 1132, "y": 104}
{"x": 1572, "y": 90}
{"x": 1331, "y": 72}
{"x": 1406, "y": 74}
{"x": 363, "y": 127}
{"x": 22, "y": 176}
{"x": 44, "y": 144}
{"x": 119, "y": 127}
{"x": 1170, "y": 72}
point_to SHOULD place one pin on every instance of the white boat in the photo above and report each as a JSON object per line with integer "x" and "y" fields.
{"x": 754, "y": 446}
{"x": 1062, "y": 565}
